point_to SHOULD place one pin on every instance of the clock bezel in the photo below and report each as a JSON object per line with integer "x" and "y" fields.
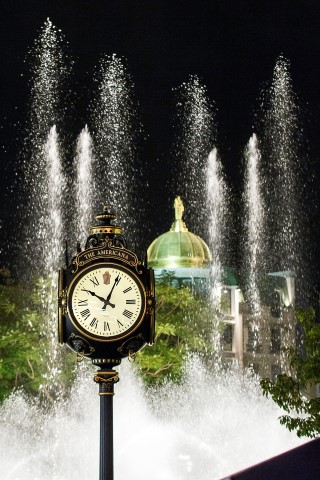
{"x": 73, "y": 318}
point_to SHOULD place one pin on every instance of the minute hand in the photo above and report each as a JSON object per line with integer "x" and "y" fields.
{"x": 107, "y": 302}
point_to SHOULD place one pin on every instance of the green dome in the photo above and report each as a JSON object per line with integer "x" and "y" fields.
{"x": 178, "y": 248}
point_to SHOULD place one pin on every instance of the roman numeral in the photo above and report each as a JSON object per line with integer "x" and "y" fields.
{"x": 130, "y": 302}
{"x": 119, "y": 323}
{"x": 127, "y": 290}
{"x": 95, "y": 281}
{"x": 127, "y": 314}
{"x": 106, "y": 326}
{"x": 82, "y": 303}
{"x": 85, "y": 313}
{"x": 94, "y": 322}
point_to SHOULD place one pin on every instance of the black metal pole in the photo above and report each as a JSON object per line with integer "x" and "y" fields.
{"x": 106, "y": 380}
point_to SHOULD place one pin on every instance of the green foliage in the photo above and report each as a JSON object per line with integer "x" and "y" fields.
{"x": 24, "y": 342}
{"x": 183, "y": 325}
{"x": 290, "y": 392}
{"x": 21, "y": 345}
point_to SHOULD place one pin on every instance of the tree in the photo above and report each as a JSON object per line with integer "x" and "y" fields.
{"x": 184, "y": 324}
{"x": 291, "y": 391}
{"x": 23, "y": 341}
{"x": 21, "y": 346}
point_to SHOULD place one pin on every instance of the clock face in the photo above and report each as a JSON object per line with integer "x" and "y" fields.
{"x": 106, "y": 301}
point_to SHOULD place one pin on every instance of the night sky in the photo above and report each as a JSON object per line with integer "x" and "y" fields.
{"x": 232, "y": 45}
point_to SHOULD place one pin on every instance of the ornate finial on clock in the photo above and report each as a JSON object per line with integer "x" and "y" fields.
{"x": 105, "y": 229}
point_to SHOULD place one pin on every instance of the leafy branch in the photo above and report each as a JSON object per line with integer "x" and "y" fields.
{"x": 183, "y": 325}
{"x": 290, "y": 392}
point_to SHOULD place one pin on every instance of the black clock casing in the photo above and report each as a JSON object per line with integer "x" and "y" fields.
{"x": 106, "y": 298}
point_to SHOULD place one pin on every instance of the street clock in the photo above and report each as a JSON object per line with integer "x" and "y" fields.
{"x": 106, "y": 297}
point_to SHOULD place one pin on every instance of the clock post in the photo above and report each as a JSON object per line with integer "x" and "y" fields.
{"x": 106, "y": 378}
{"x": 106, "y": 313}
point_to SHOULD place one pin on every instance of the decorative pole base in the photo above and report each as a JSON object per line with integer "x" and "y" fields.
{"x": 106, "y": 378}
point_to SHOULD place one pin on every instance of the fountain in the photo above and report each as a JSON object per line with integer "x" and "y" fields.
{"x": 45, "y": 186}
{"x": 280, "y": 171}
{"x": 177, "y": 432}
{"x": 53, "y": 250}
{"x": 115, "y": 134}
{"x": 84, "y": 164}
{"x": 217, "y": 195}
{"x": 42, "y": 154}
{"x": 254, "y": 225}
{"x": 195, "y": 136}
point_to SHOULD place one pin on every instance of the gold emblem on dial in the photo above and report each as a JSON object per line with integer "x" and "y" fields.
{"x": 106, "y": 301}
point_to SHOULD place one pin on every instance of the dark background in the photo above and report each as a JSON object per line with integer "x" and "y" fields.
{"x": 232, "y": 45}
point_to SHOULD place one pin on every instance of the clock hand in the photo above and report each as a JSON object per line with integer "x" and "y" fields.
{"x": 94, "y": 294}
{"x": 100, "y": 298}
{"x": 117, "y": 280}
{"x": 107, "y": 301}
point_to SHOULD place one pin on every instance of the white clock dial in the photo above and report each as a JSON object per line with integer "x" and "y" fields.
{"x": 106, "y": 301}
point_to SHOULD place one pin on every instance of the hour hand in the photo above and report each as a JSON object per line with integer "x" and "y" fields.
{"x": 94, "y": 295}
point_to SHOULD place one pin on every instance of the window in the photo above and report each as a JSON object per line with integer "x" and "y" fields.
{"x": 253, "y": 344}
{"x": 275, "y": 305}
{"x": 275, "y": 340}
{"x": 226, "y": 301}
{"x": 226, "y": 338}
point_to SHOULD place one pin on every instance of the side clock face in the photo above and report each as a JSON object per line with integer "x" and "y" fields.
{"x": 106, "y": 301}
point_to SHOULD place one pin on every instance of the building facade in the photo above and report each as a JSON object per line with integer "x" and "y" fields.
{"x": 254, "y": 341}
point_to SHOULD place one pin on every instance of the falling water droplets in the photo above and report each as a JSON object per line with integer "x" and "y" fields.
{"x": 49, "y": 72}
{"x": 53, "y": 253}
{"x": 195, "y": 137}
{"x": 84, "y": 163}
{"x": 280, "y": 186}
{"x": 116, "y": 130}
{"x": 254, "y": 226}
{"x": 56, "y": 184}
{"x": 217, "y": 194}
{"x": 184, "y": 432}
{"x": 45, "y": 186}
